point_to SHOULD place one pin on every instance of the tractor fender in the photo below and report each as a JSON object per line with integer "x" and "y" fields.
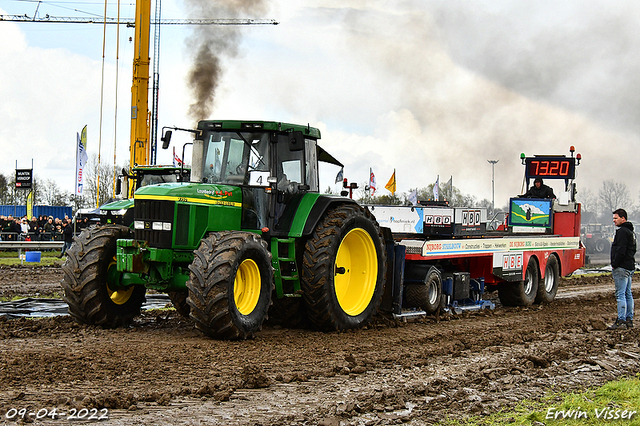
{"x": 310, "y": 215}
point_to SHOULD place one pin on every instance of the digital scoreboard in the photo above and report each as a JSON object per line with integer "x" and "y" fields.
{"x": 550, "y": 167}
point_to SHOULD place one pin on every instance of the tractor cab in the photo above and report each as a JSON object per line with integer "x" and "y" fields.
{"x": 274, "y": 164}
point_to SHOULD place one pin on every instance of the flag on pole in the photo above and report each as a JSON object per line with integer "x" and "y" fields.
{"x": 413, "y": 197}
{"x": 436, "y": 189}
{"x": 372, "y": 181}
{"x": 391, "y": 185}
{"x": 81, "y": 161}
{"x": 449, "y": 187}
{"x": 176, "y": 160}
{"x": 83, "y": 136}
{"x": 340, "y": 175}
{"x": 30, "y": 204}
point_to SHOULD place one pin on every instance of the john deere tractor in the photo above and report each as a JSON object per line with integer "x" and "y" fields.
{"x": 250, "y": 235}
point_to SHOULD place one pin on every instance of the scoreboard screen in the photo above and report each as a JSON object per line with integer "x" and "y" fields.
{"x": 550, "y": 167}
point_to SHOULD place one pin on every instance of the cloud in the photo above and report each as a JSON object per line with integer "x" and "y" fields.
{"x": 391, "y": 92}
{"x": 48, "y": 96}
{"x": 425, "y": 88}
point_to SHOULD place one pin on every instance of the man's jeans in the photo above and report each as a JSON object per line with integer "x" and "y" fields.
{"x": 66, "y": 246}
{"x": 622, "y": 279}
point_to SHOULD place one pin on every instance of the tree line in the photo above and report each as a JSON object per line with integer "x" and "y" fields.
{"x": 596, "y": 205}
{"x": 451, "y": 194}
{"x": 47, "y": 192}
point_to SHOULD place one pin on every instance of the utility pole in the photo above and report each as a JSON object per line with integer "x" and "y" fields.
{"x": 493, "y": 197}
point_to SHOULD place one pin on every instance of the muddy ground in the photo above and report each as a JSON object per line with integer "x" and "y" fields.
{"x": 161, "y": 371}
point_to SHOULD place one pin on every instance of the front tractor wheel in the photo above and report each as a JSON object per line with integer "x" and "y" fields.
{"x": 343, "y": 269}
{"x": 90, "y": 278}
{"x": 230, "y": 285}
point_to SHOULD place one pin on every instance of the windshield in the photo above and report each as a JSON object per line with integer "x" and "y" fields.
{"x": 236, "y": 158}
{"x": 155, "y": 179}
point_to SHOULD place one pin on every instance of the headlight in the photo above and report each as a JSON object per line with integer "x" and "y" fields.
{"x": 138, "y": 224}
{"x": 120, "y": 212}
{"x": 161, "y": 226}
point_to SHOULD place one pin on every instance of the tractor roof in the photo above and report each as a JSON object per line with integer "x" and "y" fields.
{"x": 247, "y": 126}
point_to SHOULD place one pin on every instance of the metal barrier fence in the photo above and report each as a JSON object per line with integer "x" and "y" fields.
{"x": 30, "y": 236}
{"x": 31, "y": 245}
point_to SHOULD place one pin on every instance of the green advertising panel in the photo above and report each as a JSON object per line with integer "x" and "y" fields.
{"x": 530, "y": 212}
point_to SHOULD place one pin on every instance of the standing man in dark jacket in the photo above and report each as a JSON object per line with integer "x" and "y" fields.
{"x": 67, "y": 233}
{"x": 623, "y": 264}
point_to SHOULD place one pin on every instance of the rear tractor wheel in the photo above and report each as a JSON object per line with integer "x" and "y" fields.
{"x": 343, "y": 269}
{"x": 91, "y": 278}
{"x": 230, "y": 285}
{"x": 602, "y": 245}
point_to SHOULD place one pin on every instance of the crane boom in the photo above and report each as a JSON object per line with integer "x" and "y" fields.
{"x": 131, "y": 22}
{"x": 139, "y": 148}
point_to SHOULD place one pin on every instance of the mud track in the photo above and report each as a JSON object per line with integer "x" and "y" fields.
{"x": 161, "y": 371}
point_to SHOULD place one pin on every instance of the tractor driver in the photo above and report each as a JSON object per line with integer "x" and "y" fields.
{"x": 539, "y": 190}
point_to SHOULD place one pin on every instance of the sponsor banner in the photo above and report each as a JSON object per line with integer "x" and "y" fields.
{"x": 81, "y": 161}
{"x": 488, "y": 245}
{"x": 24, "y": 178}
{"x": 400, "y": 220}
{"x": 437, "y": 217}
{"x": 509, "y": 265}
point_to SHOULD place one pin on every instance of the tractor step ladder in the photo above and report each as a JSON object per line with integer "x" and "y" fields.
{"x": 290, "y": 273}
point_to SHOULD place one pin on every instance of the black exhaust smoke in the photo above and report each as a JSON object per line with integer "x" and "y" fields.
{"x": 210, "y": 43}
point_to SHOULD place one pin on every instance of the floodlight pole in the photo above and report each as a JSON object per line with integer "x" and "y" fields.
{"x": 493, "y": 199}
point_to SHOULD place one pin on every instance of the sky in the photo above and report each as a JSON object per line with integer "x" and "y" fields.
{"x": 428, "y": 88}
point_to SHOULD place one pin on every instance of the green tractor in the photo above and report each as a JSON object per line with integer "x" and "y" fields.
{"x": 249, "y": 236}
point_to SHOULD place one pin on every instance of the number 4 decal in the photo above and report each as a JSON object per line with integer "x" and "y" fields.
{"x": 258, "y": 178}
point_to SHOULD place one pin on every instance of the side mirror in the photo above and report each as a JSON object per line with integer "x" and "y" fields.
{"x": 296, "y": 141}
{"x": 118, "y": 186}
{"x": 166, "y": 139}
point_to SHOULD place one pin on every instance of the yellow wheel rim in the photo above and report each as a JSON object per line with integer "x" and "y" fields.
{"x": 356, "y": 271}
{"x": 246, "y": 287}
{"x": 119, "y": 297}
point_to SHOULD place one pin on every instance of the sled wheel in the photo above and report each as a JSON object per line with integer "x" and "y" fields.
{"x": 343, "y": 269}
{"x": 89, "y": 269}
{"x": 230, "y": 285}
{"x": 521, "y": 293}
{"x": 428, "y": 294}
{"x": 548, "y": 288}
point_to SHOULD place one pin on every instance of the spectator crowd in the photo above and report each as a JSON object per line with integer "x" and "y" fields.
{"x": 40, "y": 228}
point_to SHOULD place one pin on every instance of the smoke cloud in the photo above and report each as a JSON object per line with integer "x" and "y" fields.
{"x": 489, "y": 80}
{"x": 211, "y": 44}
